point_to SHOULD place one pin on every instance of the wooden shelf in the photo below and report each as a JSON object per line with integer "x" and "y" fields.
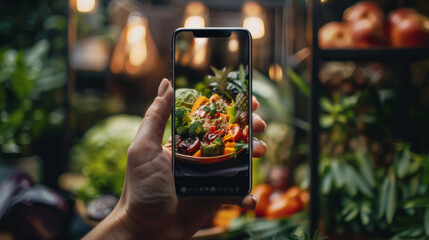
{"x": 398, "y": 55}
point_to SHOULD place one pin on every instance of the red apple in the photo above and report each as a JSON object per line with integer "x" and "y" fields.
{"x": 366, "y": 24}
{"x": 334, "y": 35}
{"x": 396, "y": 16}
{"x": 412, "y": 31}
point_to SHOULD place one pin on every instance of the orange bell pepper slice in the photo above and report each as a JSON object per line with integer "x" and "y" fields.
{"x": 228, "y": 150}
{"x": 198, "y": 153}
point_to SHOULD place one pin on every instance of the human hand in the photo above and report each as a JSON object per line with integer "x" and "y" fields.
{"x": 149, "y": 207}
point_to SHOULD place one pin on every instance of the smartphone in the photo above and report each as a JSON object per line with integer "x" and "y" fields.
{"x": 212, "y": 112}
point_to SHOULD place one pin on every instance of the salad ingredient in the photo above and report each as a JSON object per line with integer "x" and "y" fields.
{"x": 228, "y": 150}
{"x": 196, "y": 129}
{"x": 201, "y": 100}
{"x": 213, "y": 149}
{"x": 228, "y": 137}
{"x": 230, "y": 111}
{"x": 230, "y": 144}
{"x": 212, "y": 136}
{"x": 215, "y": 97}
{"x": 185, "y": 97}
{"x": 242, "y": 99}
{"x": 235, "y": 131}
{"x": 182, "y": 117}
{"x": 212, "y": 129}
{"x": 198, "y": 153}
{"x": 188, "y": 145}
{"x": 245, "y": 134}
{"x": 242, "y": 119}
{"x": 183, "y": 131}
{"x": 194, "y": 146}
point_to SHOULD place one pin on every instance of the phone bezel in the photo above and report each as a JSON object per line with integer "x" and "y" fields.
{"x": 214, "y": 181}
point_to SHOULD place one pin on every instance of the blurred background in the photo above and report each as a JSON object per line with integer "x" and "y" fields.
{"x": 343, "y": 87}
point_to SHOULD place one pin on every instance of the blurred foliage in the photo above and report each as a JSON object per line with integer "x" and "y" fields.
{"x": 249, "y": 227}
{"x": 101, "y": 155}
{"x": 371, "y": 180}
{"x": 32, "y": 74}
{"x": 30, "y": 103}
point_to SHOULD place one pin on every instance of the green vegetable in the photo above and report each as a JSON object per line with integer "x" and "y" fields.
{"x": 101, "y": 155}
{"x": 213, "y": 149}
{"x": 239, "y": 146}
{"x": 196, "y": 129}
{"x": 183, "y": 131}
{"x": 182, "y": 117}
{"x": 230, "y": 111}
{"x": 185, "y": 97}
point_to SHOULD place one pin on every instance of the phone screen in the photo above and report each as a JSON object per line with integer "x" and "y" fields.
{"x": 212, "y": 111}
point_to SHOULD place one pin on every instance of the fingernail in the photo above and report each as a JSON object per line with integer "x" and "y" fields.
{"x": 163, "y": 87}
{"x": 259, "y": 140}
{"x": 254, "y": 197}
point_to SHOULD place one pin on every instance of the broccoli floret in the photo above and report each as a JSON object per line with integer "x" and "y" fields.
{"x": 183, "y": 131}
{"x": 196, "y": 129}
{"x": 213, "y": 149}
{"x": 182, "y": 117}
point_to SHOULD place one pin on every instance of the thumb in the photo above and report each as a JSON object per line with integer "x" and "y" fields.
{"x": 153, "y": 125}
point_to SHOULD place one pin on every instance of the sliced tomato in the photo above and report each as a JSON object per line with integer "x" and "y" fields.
{"x": 212, "y": 129}
{"x": 236, "y": 132}
{"x": 245, "y": 134}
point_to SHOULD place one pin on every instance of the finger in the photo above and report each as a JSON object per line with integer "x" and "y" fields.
{"x": 259, "y": 148}
{"x": 258, "y": 125}
{"x": 249, "y": 202}
{"x": 155, "y": 119}
{"x": 255, "y": 103}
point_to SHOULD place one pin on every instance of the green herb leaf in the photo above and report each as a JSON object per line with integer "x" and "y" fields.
{"x": 391, "y": 199}
{"x": 298, "y": 81}
{"x": 403, "y": 162}
{"x": 366, "y": 167}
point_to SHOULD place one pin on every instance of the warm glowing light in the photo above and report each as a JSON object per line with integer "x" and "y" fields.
{"x": 255, "y": 25}
{"x": 252, "y": 9}
{"x": 138, "y": 53}
{"x": 323, "y": 1}
{"x": 136, "y": 33}
{"x": 200, "y": 56}
{"x": 195, "y": 8}
{"x": 135, "y": 53}
{"x": 275, "y": 72}
{"x": 233, "y": 45}
{"x": 194, "y": 22}
{"x": 85, "y": 6}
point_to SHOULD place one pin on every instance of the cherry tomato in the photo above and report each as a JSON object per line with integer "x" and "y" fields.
{"x": 262, "y": 193}
{"x": 236, "y": 132}
{"x": 283, "y": 207}
{"x": 305, "y": 199}
{"x": 293, "y": 192}
{"x": 212, "y": 128}
{"x": 245, "y": 134}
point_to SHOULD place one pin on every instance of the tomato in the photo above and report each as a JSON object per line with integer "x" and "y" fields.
{"x": 245, "y": 134}
{"x": 283, "y": 207}
{"x": 262, "y": 192}
{"x": 225, "y": 216}
{"x": 305, "y": 199}
{"x": 293, "y": 192}
{"x": 212, "y": 129}
{"x": 236, "y": 132}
